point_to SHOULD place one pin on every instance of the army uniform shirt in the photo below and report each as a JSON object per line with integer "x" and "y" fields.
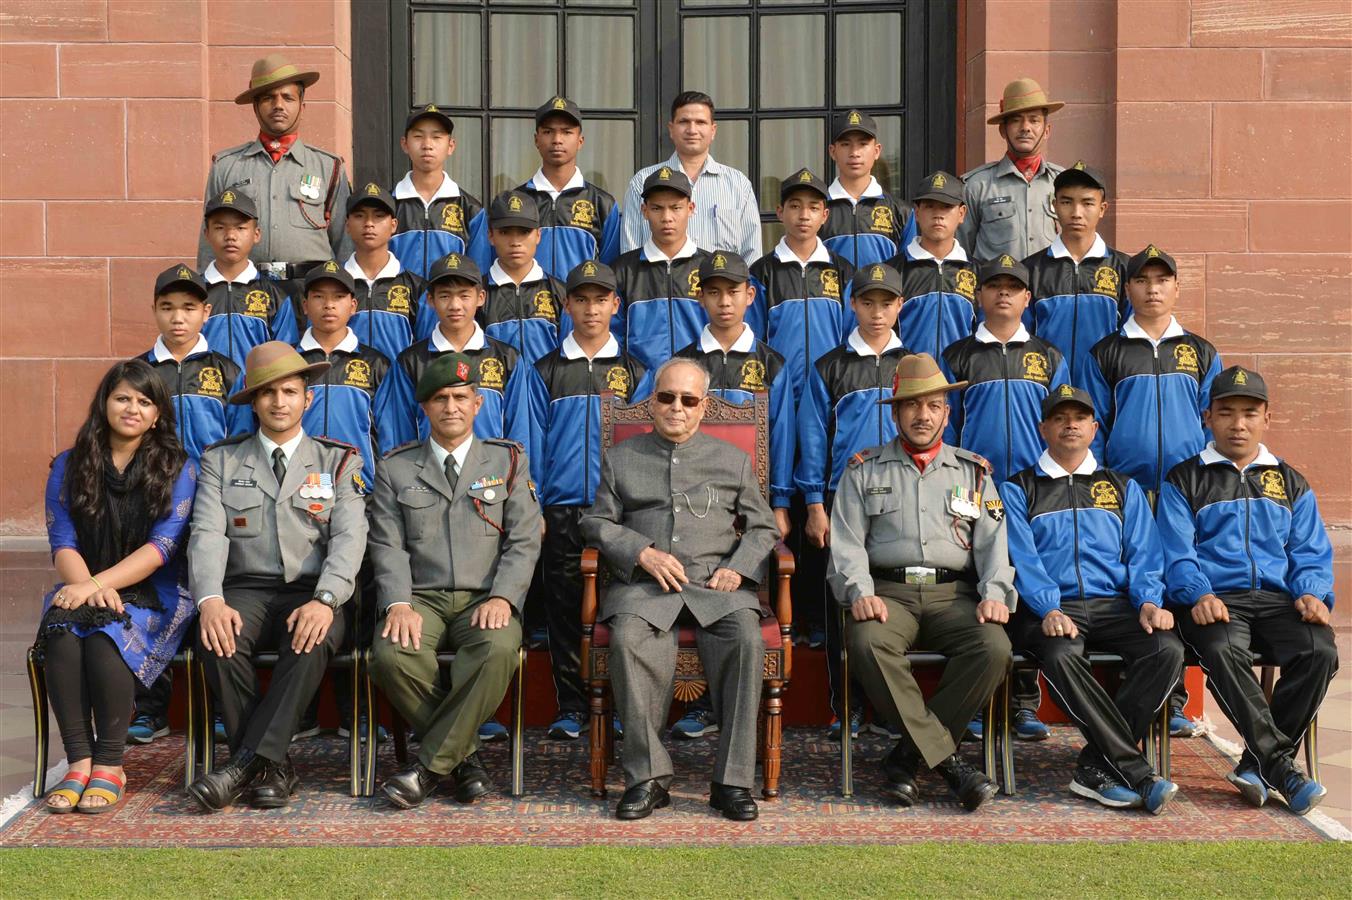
{"x": 1006, "y": 213}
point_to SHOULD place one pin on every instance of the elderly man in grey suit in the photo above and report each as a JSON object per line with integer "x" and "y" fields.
{"x": 278, "y": 531}
{"x": 664, "y": 520}
{"x": 455, "y": 533}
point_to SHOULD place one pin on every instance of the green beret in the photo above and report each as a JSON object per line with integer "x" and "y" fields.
{"x": 446, "y": 370}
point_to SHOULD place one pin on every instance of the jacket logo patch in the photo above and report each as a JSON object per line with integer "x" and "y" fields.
{"x": 693, "y": 282}
{"x": 617, "y": 380}
{"x": 881, "y": 219}
{"x": 357, "y": 373}
{"x": 753, "y": 375}
{"x": 544, "y": 305}
{"x": 256, "y": 304}
{"x": 397, "y": 299}
{"x": 1185, "y": 359}
{"x": 491, "y": 372}
{"x": 995, "y": 509}
{"x": 1274, "y": 485}
{"x": 1105, "y": 495}
{"x": 452, "y": 218}
{"x": 1035, "y": 367}
{"x": 1105, "y": 280}
{"x": 831, "y": 283}
{"x": 583, "y": 214}
{"x": 211, "y": 382}
{"x": 965, "y": 283}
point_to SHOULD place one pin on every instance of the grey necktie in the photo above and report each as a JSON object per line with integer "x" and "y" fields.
{"x": 451, "y": 475}
{"x": 279, "y": 466}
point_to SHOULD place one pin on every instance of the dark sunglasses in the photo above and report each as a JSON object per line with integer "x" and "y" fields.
{"x": 667, "y": 398}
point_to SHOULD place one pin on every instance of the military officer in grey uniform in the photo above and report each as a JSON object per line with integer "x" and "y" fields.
{"x": 295, "y": 186}
{"x": 455, "y": 534}
{"x": 1009, "y": 201}
{"x": 278, "y": 531}
{"x": 918, "y": 556}
{"x": 663, "y": 519}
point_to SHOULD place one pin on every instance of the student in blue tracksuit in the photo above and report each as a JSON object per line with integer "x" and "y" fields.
{"x": 247, "y": 307}
{"x": 864, "y": 224}
{"x": 1077, "y": 283}
{"x": 1249, "y": 565}
{"x": 842, "y": 413}
{"x": 565, "y": 388}
{"x": 578, "y": 220}
{"x": 802, "y": 306}
{"x": 1090, "y": 575}
{"x": 523, "y": 303}
{"x": 939, "y": 306}
{"x": 433, "y": 215}
{"x": 389, "y": 309}
{"x": 658, "y": 283}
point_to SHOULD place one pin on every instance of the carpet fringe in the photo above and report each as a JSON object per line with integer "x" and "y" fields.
{"x": 17, "y": 802}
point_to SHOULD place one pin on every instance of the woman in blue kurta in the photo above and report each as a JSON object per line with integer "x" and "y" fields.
{"x": 118, "y": 507}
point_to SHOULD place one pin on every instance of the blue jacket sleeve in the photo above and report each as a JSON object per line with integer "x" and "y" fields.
{"x": 645, "y": 387}
{"x": 389, "y": 417}
{"x": 1185, "y": 581}
{"x": 426, "y": 321}
{"x": 478, "y": 248}
{"x": 811, "y": 476}
{"x": 60, "y": 528}
{"x": 758, "y": 313}
{"x": 1204, "y": 393}
{"x": 1310, "y": 555}
{"x": 537, "y": 417}
{"x": 239, "y": 417}
{"x": 1141, "y": 550}
{"x": 783, "y": 440}
{"x": 1102, "y": 395}
{"x": 610, "y": 238}
{"x": 168, "y": 532}
{"x": 403, "y": 410}
{"x": 285, "y": 325}
{"x": 1037, "y": 590}
{"x": 516, "y": 405}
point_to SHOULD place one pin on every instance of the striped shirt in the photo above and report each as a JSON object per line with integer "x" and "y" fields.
{"x": 726, "y": 217}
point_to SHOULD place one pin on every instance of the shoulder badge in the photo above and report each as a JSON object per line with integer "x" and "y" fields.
{"x": 330, "y": 442}
{"x": 964, "y": 453}
{"x": 402, "y": 448}
{"x": 505, "y": 442}
{"x": 995, "y": 509}
{"x": 862, "y": 456}
{"x": 227, "y": 442}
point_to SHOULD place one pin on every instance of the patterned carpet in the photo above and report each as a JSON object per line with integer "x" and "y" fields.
{"x": 558, "y": 810}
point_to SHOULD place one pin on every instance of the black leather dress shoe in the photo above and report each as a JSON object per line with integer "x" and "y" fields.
{"x": 217, "y": 790}
{"x": 275, "y": 786}
{"x": 411, "y": 786}
{"x": 899, "y": 767}
{"x": 734, "y": 803}
{"x": 968, "y": 782}
{"x": 471, "y": 780}
{"x": 640, "y": 800}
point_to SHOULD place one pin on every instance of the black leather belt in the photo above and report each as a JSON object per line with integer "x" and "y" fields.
{"x": 923, "y": 575}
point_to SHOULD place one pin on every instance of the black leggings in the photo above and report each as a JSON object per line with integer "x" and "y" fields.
{"x": 88, "y": 679}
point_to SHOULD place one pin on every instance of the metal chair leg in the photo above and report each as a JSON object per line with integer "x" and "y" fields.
{"x": 1312, "y": 749}
{"x": 190, "y": 736}
{"x": 846, "y": 761}
{"x": 1162, "y": 726}
{"x": 518, "y": 725}
{"x": 372, "y": 712}
{"x": 37, "y": 681}
{"x": 208, "y": 749}
{"x": 1009, "y": 785}
{"x": 989, "y": 741}
{"x": 1152, "y": 737}
{"x": 355, "y": 758}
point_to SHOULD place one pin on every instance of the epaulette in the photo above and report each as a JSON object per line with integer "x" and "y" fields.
{"x": 980, "y": 168}
{"x": 230, "y": 151}
{"x": 863, "y": 455}
{"x": 322, "y": 152}
{"x": 330, "y": 442}
{"x": 402, "y": 448}
{"x": 504, "y": 442}
{"x": 227, "y": 442}
{"x": 964, "y": 453}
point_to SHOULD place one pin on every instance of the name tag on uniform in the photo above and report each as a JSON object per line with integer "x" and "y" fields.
{"x": 994, "y": 200}
{"x": 243, "y": 482}
{"x": 880, "y": 490}
{"x": 964, "y": 502}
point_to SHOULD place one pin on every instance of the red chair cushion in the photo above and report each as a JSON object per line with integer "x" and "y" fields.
{"x": 769, "y": 634}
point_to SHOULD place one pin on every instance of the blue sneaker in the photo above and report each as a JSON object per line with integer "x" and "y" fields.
{"x": 1249, "y": 784}
{"x": 1180, "y": 726}
{"x": 856, "y": 723}
{"x": 816, "y": 638}
{"x": 1098, "y": 785}
{"x": 696, "y": 723}
{"x": 1157, "y": 794}
{"x": 492, "y": 731}
{"x": 975, "y": 728}
{"x": 218, "y": 731}
{"x": 145, "y": 729}
{"x": 618, "y": 728}
{"x": 1302, "y": 794}
{"x": 568, "y": 726}
{"x": 1028, "y": 727}
{"x": 363, "y": 729}
{"x": 879, "y": 727}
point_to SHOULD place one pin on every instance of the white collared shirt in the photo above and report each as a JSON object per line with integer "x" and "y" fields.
{"x": 213, "y": 275}
{"x": 915, "y": 251}
{"x": 726, "y": 217}
{"x": 1099, "y": 248}
{"x": 652, "y": 254}
{"x": 1052, "y": 469}
{"x": 498, "y": 275}
{"x": 405, "y": 190}
{"x": 745, "y": 342}
{"x": 837, "y": 191}
{"x": 1132, "y": 330}
{"x": 859, "y": 345}
{"x": 160, "y": 353}
{"x": 983, "y": 334}
{"x": 544, "y": 185}
{"x": 288, "y": 449}
{"x": 442, "y": 344}
{"x": 819, "y": 254}
{"x": 1210, "y": 456}
{"x": 391, "y": 269}
{"x": 571, "y": 349}
{"x": 348, "y": 344}
{"x": 459, "y": 454}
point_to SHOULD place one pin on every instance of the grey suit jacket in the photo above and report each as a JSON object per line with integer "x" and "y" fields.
{"x": 424, "y": 536}
{"x": 245, "y": 525}
{"x": 682, "y": 499}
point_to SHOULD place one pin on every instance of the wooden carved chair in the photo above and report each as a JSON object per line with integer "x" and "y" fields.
{"x": 746, "y": 427}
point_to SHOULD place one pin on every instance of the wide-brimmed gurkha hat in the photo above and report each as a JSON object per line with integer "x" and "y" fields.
{"x": 1021, "y": 95}
{"x": 918, "y": 375}
{"x": 270, "y": 71}
{"x": 271, "y": 362}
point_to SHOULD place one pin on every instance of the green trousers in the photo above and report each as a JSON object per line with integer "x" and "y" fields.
{"x": 485, "y": 659}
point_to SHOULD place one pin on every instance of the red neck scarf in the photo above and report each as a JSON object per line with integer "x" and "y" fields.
{"x": 922, "y": 458}
{"x": 277, "y": 146}
{"x": 1027, "y": 165}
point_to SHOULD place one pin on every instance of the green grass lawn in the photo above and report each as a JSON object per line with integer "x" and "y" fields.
{"x": 1246, "y": 869}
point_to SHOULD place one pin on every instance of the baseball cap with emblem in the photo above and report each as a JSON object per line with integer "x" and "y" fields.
{"x": 430, "y": 111}
{"x": 1063, "y": 394}
{"x": 942, "y": 186}
{"x": 918, "y": 375}
{"x": 558, "y": 106}
{"x": 514, "y": 209}
{"x": 1238, "y": 381}
{"x": 454, "y": 265}
{"x": 181, "y": 277}
{"x": 667, "y": 179}
{"x": 1021, "y": 95}
{"x": 725, "y": 264}
{"x": 331, "y": 270}
{"x": 371, "y": 194}
{"x": 854, "y": 120}
{"x": 802, "y": 180}
{"x": 878, "y": 277}
{"x": 231, "y": 198}
{"x": 1004, "y": 265}
{"x": 270, "y": 71}
{"x": 590, "y": 272}
{"x": 270, "y": 362}
{"x": 1151, "y": 254}
{"x": 1081, "y": 174}
{"x": 450, "y": 369}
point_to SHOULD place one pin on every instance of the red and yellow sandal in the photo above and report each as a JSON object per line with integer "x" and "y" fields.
{"x": 72, "y": 788}
{"x": 106, "y": 785}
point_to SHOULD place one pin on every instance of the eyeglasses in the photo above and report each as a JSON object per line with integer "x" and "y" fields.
{"x": 667, "y": 398}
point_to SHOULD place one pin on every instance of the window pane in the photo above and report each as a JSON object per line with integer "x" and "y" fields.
{"x": 598, "y": 2}
{"x": 466, "y": 164}
{"x": 446, "y": 59}
{"x": 888, "y": 168}
{"x": 771, "y": 232}
{"x": 717, "y": 60}
{"x": 716, "y": 2}
{"x": 732, "y": 144}
{"x": 786, "y": 145}
{"x": 600, "y": 61}
{"x": 523, "y": 59}
{"x": 513, "y": 158}
{"x": 792, "y": 2}
{"x": 792, "y": 61}
{"x": 607, "y": 159}
{"x": 868, "y": 66}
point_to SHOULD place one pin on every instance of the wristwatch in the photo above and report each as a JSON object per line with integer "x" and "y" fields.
{"x": 327, "y": 598}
